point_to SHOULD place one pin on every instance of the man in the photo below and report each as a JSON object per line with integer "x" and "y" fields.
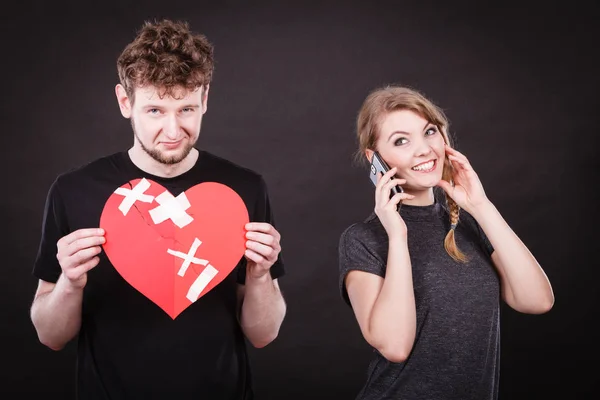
{"x": 154, "y": 317}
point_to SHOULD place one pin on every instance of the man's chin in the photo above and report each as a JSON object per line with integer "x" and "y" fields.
{"x": 170, "y": 157}
{"x": 170, "y": 161}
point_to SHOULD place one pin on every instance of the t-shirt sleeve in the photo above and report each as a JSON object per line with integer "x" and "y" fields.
{"x": 54, "y": 227}
{"x": 484, "y": 242}
{"x": 358, "y": 251}
{"x": 262, "y": 213}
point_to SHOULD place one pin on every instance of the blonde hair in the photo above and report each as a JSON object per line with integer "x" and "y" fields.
{"x": 384, "y": 100}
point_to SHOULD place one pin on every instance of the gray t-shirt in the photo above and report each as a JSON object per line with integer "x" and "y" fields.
{"x": 457, "y": 345}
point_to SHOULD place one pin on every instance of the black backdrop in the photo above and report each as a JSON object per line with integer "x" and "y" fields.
{"x": 518, "y": 82}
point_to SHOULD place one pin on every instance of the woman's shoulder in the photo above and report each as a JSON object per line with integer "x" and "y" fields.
{"x": 368, "y": 230}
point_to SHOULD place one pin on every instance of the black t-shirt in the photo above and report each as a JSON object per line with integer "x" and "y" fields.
{"x": 456, "y": 354}
{"x": 128, "y": 347}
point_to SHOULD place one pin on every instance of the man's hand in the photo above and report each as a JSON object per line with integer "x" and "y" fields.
{"x": 262, "y": 248}
{"x": 78, "y": 253}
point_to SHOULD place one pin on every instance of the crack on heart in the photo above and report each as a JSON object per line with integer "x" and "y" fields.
{"x": 153, "y": 226}
{"x": 196, "y": 269}
{"x": 169, "y": 237}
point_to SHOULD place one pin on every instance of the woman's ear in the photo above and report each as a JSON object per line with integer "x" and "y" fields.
{"x": 369, "y": 154}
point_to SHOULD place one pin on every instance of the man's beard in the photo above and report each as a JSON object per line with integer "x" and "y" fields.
{"x": 158, "y": 156}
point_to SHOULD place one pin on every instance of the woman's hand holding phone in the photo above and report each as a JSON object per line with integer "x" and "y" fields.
{"x": 386, "y": 208}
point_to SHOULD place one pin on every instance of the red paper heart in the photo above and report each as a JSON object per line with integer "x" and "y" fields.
{"x": 152, "y": 238}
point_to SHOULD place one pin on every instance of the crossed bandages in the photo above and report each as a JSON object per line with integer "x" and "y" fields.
{"x": 173, "y": 208}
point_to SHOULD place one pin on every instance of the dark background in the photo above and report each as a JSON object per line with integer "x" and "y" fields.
{"x": 519, "y": 84}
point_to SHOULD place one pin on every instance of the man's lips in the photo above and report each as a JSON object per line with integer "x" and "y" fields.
{"x": 172, "y": 144}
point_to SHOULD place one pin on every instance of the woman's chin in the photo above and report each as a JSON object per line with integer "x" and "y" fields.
{"x": 421, "y": 186}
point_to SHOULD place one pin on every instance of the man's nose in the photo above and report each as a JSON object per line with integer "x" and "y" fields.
{"x": 171, "y": 128}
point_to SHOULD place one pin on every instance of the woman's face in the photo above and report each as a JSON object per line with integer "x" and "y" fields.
{"x": 415, "y": 147}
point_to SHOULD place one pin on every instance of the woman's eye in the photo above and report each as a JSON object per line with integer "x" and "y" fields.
{"x": 431, "y": 131}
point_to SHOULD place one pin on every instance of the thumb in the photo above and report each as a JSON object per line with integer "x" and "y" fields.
{"x": 446, "y": 186}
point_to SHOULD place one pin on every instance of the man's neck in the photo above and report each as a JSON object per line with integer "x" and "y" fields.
{"x": 147, "y": 164}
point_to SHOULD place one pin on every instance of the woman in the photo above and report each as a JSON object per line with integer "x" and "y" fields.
{"x": 425, "y": 282}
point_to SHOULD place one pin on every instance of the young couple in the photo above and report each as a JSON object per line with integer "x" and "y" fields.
{"x": 423, "y": 274}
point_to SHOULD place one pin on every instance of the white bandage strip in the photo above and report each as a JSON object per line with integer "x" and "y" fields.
{"x": 189, "y": 257}
{"x": 200, "y": 283}
{"x": 171, "y": 208}
{"x": 205, "y": 276}
{"x": 133, "y": 195}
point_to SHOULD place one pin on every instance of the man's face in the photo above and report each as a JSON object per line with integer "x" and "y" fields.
{"x": 166, "y": 128}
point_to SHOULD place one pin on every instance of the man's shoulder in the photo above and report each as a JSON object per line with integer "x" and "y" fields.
{"x": 88, "y": 169}
{"x": 229, "y": 166}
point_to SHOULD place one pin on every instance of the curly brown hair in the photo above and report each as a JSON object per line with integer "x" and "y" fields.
{"x": 167, "y": 55}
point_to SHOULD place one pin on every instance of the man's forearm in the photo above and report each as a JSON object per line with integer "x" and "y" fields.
{"x": 263, "y": 310}
{"x": 56, "y": 315}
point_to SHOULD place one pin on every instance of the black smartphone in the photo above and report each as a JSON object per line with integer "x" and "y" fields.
{"x": 377, "y": 166}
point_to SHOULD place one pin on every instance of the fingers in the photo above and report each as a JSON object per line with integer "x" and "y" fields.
{"x": 455, "y": 152}
{"x": 76, "y": 251}
{"x": 263, "y": 227}
{"x": 264, "y": 238}
{"x": 390, "y": 184}
{"x": 84, "y": 255}
{"x": 446, "y": 186}
{"x": 80, "y": 234}
{"x": 383, "y": 179}
{"x": 266, "y": 252}
{"x": 257, "y": 258}
{"x": 265, "y": 245}
{"x": 81, "y": 244}
{"x": 383, "y": 196}
{"x": 76, "y": 273}
{"x": 262, "y": 246}
{"x": 459, "y": 162}
{"x": 455, "y": 155}
{"x": 79, "y": 258}
{"x": 397, "y": 198}
{"x": 393, "y": 202}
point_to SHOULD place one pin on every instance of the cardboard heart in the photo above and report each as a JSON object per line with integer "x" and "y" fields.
{"x": 174, "y": 250}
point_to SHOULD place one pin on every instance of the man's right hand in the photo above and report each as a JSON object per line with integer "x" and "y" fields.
{"x": 78, "y": 253}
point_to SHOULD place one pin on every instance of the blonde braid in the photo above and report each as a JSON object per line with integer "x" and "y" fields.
{"x": 454, "y": 211}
